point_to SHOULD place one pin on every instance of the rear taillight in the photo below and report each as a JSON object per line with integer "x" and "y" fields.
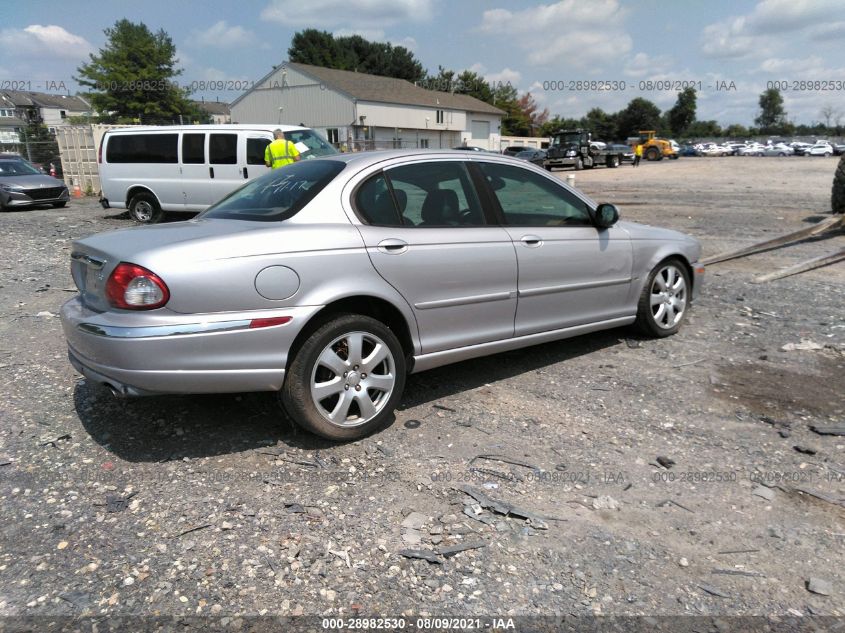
{"x": 133, "y": 287}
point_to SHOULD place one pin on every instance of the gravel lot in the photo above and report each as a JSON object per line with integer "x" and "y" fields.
{"x": 218, "y": 505}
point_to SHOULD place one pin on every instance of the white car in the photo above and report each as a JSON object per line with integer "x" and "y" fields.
{"x": 753, "y": 149}
{"x": 820, "y": 149}
{"x": 711, "y": 149}
{"x": 779, "y": 149}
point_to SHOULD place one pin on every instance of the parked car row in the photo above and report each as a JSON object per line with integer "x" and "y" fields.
{"x": 751, "y": 148}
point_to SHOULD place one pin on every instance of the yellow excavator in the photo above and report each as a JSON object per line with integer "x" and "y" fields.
{"x": 653, "y": 148}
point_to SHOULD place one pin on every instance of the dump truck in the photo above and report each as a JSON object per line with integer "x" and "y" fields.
{"x": 653, "y": 148}
{"x": 576, "y": 148}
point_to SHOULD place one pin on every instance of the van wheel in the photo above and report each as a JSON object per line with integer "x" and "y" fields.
{"x": 144, "y": 208}
{"x": 346, "y": 379}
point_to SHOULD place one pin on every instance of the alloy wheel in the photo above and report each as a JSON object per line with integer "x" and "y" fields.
{"x": 353, "y": 379}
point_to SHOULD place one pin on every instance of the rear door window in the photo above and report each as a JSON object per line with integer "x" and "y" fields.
{"x": 436, "y": 193}
{"x": 223, "y": 149}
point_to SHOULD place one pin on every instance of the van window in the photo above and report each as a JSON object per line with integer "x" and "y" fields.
{"x": 255, "y": 150}
{"x": 142, "y": 148}
{"x": 193, "y": 149}
{"x": 223, "y": 149}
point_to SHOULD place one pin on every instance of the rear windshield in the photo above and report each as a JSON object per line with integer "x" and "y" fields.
{"x": 278, "y": 195}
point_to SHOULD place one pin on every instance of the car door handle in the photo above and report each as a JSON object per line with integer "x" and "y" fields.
{"x": 393, "y": 246}
{"x": 211, "y": 172}
{"x": 531, "y": 241}
{"x": 246, "y": 173}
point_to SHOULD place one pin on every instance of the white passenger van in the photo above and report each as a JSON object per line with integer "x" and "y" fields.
{"x": 149, "y": 170}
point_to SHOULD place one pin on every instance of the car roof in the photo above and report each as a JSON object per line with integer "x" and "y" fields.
{"x": 207, "y": 128}
{"x": 363, "y": 159}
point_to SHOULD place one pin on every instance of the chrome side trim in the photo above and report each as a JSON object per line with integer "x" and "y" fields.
{"x": 462, "y": 301}
{"x": 533, "y": 292}
{"x": 437, "y": 359}
{"x": 112, "y": 331}
{"x": 93, "y": 262}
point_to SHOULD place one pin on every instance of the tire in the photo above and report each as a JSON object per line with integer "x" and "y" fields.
{"x": 652, "y": 154}
{"x": 657, "y": 310}
{"x": 827, "y": 154}
{"x": 330, "y": 345}
{"x": 613, "y": 161}
{"x": 144, "y": 208}
{"x": 59, "y": 205}
{"x": 548, "y": 167}
{"x": 579, "y": 164}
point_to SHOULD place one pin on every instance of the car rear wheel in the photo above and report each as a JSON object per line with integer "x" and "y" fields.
{"x": 664, "y": 300}
{"x": 144, "y": 208}
{"x": 346, "y": 379}
{"x": 612, "y": 161}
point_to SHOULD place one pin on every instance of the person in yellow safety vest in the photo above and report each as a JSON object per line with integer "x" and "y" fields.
{"x": 638, "y": 154}
{"x": 280, "y": 152}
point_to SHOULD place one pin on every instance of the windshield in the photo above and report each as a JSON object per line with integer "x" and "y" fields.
{"x": 279, "y": 195}
{"x": 16, "y": 168}
{"x": 310, "y": 144}
{"x": 571, "y": 138}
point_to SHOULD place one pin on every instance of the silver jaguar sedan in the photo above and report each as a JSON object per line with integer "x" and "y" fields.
{"x": 329, "y": 280}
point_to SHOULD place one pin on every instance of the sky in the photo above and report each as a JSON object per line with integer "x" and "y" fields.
{"x": 729, "y": 50}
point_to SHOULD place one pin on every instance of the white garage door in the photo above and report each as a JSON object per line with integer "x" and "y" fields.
{"x": 480, "y": 130}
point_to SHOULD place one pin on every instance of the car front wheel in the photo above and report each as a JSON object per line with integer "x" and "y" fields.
{"x": 664, "y": 300}
{"x": 346, "y": 379}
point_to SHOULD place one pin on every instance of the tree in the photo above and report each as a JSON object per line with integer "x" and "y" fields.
{"x": 557, "y": 123}
{"x": 514, "y": 123}
{"x": 602, "y": 124}
{"x": 682, "y": 114}
{"x": 772, "y": 117}
{"x": 639, "y": 114}
{"x": 317, "y": 48}
{"x": 737, "y": 131}
{"x": 704, "y": 129}
{"x": 832, "y": 117}
{"x": 41, "y": 145}
{"x": 353, "y": 52}
{"x": 132, "y": 76}
{"x": 534, "y": 118}
{"x": 837, "y": 200}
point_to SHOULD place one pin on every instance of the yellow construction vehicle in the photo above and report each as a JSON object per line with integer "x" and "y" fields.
{"x": 653, "y": 148}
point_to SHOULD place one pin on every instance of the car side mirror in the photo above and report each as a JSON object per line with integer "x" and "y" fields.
{"x": 605, "y": 215}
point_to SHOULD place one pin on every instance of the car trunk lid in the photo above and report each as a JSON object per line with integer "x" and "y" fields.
{"x": 94, "y": 258}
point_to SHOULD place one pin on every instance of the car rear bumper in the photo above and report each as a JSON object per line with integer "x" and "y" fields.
{"x": 207, "y": 353}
